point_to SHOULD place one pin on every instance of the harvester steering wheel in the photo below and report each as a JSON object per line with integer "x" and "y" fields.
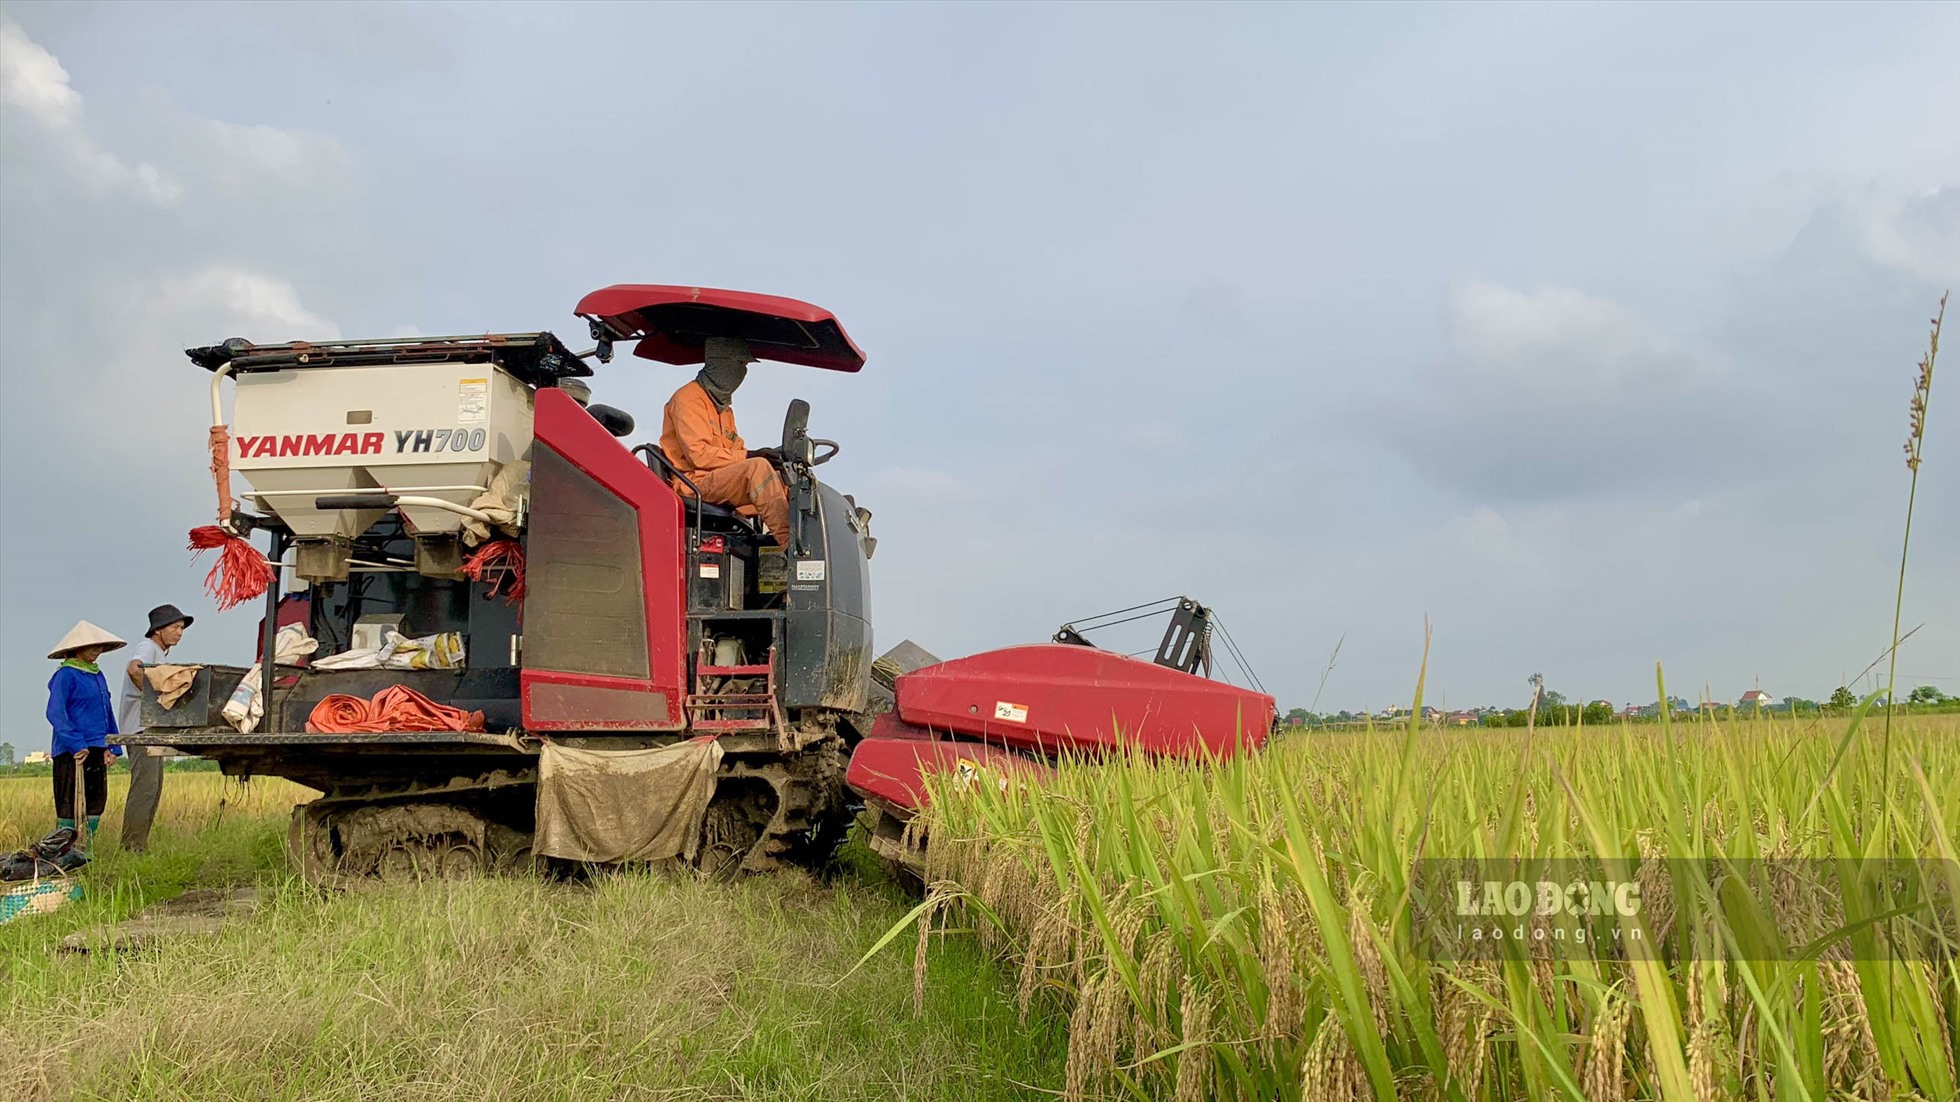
{"x": 797, "y": 441}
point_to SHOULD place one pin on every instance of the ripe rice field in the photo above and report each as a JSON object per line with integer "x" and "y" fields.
{"x": 196, "y": 803}
{"x": 1241, "y": 930}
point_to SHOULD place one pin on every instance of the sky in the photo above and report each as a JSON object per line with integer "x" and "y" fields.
{"x": 1583, "y": 334}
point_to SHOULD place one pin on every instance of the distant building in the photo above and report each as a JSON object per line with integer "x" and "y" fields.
{"x": 1755, "y": 698}
{"x": 1463, "y": 719}
{"x": 1675, "y": 704}
{"x": 36, "y": 758}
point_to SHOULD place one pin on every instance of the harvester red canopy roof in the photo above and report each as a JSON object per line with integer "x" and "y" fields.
{"x": 673, "y": 323}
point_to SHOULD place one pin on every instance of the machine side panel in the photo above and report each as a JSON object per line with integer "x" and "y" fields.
{"x": 1053, "y": 698}
{"x": 895, "y": 770}
{"x": 828, "y": 623}
{"x": 640, "y": 684}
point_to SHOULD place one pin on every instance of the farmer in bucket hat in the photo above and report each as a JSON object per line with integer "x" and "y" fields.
{"x": 167, "y": 624}
{"x": 80, "y": 712}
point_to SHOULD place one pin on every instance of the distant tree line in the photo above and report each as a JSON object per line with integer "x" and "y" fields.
{"x": 1554, "y": 710}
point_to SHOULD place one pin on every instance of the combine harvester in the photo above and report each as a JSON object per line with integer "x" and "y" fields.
{"x": 503, "y": 634}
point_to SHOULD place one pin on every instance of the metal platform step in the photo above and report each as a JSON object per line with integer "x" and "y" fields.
{"x": 709, "y": 711}
{"x": 720, "y": 712}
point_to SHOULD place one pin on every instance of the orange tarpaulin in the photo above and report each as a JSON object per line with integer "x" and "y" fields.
{"x": 396, "y": 708}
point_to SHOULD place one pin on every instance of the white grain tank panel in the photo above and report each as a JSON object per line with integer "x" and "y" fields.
{"x": 430, "y": 430}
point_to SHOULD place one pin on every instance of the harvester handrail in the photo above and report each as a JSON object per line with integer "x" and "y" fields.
{"x": 655, "y": 455}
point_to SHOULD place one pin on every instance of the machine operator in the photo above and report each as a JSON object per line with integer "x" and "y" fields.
{"x": 697, "y": 431}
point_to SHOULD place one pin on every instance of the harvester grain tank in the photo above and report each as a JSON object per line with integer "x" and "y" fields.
{"x": 455, "y": 529}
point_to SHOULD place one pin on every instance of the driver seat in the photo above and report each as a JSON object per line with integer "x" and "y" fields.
{"x": 746, "y": 517}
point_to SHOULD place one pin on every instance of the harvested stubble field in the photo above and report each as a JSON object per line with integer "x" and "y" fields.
{"x": 638, "y": 987}
{"x": 1241, "y": 930}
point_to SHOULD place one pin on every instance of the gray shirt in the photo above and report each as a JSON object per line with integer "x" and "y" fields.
{"x": 129, "y": 713}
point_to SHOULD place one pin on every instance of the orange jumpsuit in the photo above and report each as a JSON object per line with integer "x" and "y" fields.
{"x": 701, "y": 442}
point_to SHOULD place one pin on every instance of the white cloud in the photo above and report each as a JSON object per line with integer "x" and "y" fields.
{"x": 1559, "y": 345}
{"x": 233, "y": 159}
{"x": 32, "y": 80}
{"x": 35, "y": 86}
{"x": 143, "y": 385}
{"x": 244, "y": 157}
{"x": 1555, "y": 393}
{"x": 1918, "y": 235}
{"x": 260, "y": 306}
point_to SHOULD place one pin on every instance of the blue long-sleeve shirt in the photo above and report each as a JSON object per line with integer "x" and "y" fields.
{"x": 79, "y": 709}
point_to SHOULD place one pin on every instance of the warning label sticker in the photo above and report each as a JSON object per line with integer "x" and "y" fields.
{"x": 968, "y": 773}
{"x": 711, "y": 570}
{"x": 772, "y": 571}
{"x": 809, "y": 570}
{"x": 1012, "y": 713}
{"x": 473, "y": 403}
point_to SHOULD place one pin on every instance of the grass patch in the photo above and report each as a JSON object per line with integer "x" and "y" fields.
{"x": 639, "y": 986}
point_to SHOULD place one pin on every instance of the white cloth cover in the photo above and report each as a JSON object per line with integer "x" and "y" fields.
{"x": 624, "y": 805}
{"x": 244, "y": 708}
{"x": 500, "y": 501}
{"x": 443, "y": 651}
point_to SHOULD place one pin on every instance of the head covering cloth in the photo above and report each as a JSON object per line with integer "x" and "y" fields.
{"x": 726, "y": 363}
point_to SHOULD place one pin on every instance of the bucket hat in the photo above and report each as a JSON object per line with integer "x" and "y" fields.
{"x": 84, "y": 634}
{"x": 163, "y": 616}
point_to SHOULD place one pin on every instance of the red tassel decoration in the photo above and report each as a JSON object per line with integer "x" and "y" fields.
{"x": 241, "y": 572}
{"x": 506, "y": 556}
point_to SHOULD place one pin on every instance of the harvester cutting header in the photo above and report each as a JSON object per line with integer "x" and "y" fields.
{"x": 506, "y": 633}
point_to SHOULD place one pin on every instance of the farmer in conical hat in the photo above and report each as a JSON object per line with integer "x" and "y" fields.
{"x": 83, "y": 717}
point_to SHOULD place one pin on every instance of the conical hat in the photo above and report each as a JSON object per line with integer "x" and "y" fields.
{"x": 84, "y": 634}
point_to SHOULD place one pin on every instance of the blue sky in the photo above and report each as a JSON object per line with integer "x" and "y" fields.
{"x": 1584, "y": 331}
